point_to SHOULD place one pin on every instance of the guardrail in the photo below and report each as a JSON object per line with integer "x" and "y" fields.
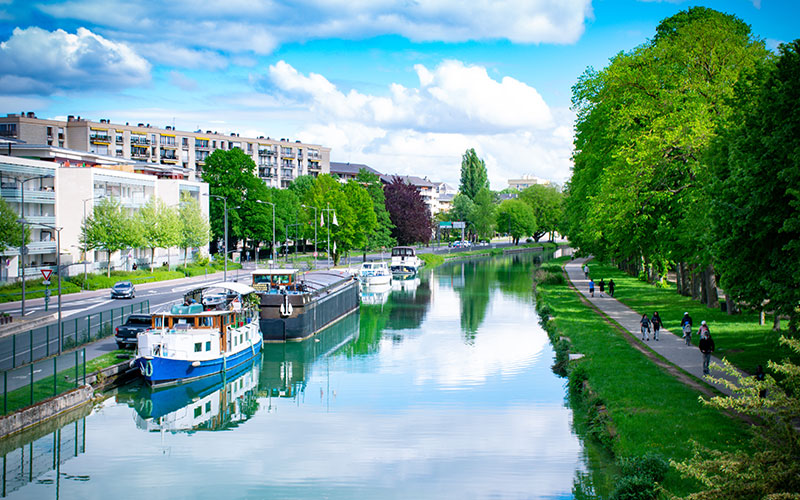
{"x": 43, "y": 379}
{"x": 39, "y": 343}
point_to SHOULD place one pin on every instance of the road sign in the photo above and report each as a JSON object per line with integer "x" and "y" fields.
{"x": 46, "y": 282}
{"x": 459, "y": 225}
{"x": 46, "y": 273}
{"x": 445, "y": 224}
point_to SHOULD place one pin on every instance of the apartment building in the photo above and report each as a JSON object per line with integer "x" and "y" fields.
{"x": 54, "y": 188}
{"x": 278, "y": 161}
{"x": 348, "y": 171}
{"x": 526, "y": 181}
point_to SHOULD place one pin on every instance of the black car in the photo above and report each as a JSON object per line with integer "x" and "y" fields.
{"x": 125, "y": 335}
{"x": 123, "y": 290}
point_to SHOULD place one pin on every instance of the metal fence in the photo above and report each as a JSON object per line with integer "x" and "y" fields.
{"x": 43, "y": 379}
{"x": 39, "y": 343}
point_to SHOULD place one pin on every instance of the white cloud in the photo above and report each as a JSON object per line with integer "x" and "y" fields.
{"x": 260, "y": 26}
{"x": 425, "y": 130}
{"x": 57, "y": 60}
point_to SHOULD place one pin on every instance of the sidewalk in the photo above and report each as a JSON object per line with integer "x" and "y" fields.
{"x": 670, "y": 346}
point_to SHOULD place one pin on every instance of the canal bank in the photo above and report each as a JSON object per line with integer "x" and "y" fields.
{"x": 633, "y": 406}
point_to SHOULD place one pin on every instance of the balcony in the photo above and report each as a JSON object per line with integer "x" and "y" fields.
{"x": 289, "y": 154}
{"x": 119, "y": 139}
{"x": 265, "y": 152}
{"x": 100, "y": 138}
{"x": 41, "y": 219}
{"x": 144, "y": 141}
{"x": 31, "y": 195}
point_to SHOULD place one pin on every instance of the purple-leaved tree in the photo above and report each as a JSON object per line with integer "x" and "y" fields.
{"x": 409, "y": 214}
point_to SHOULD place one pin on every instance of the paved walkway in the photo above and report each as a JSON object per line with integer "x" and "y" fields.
{"x": 672, "y": 347}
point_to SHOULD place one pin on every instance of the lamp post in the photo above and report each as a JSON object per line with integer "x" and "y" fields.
{"x": 273, "y": 226}
{"x": 315, "y": 233}
{"x": 84, "y": 237}
{"x": 22, "y": 244}
{"x": 329, "y": 210}
{"x": 58, "y": 268}
{"x": 224, "y": 253}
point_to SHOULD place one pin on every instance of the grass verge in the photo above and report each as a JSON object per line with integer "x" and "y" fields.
{"x": 34, "y": 289}
{"x": 738, "y": 337}
{"x": 634, "y": 406}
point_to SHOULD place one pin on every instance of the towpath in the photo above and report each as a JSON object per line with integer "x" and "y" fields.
{"x": 669, "y": 346}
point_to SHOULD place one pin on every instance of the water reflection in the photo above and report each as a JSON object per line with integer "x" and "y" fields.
{"x": 36, "y": 455}
{"x": 372, "y": 295}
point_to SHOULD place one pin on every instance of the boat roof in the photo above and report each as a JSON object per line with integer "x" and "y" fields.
{"x": 412, "y": 248}
{"x": 270, "y": 272}
{"x": 233, "y": 286}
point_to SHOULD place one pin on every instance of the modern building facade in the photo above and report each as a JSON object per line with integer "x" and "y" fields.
{"x": 348, "y": 171}
{"x": 57, "y": 189}
{"x": 279, "y": 161}
{"x": 526, "y": 181}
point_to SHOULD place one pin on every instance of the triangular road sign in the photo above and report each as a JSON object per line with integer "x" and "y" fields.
{"x": 46, "y": 273}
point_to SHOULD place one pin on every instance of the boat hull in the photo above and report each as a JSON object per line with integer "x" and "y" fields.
{"x": 158, "y": 371}
{"x": 310, "y": 314}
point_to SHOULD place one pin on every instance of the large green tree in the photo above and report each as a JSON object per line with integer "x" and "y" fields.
{"x": 547, "y": 204}
{"x": 474, "y": 176}
{"x": 194, "y": 228}
{"x": 483, "y": 215}
{"x": 159, "y": 226}
{"x": 756, "y": 193}
{"x": 111, "y": 228}
{"x": 644, "y": 123}
{"x": 10, "y": 229}
{"x": 381, "y": 237}
{"x": 516, "y": 218}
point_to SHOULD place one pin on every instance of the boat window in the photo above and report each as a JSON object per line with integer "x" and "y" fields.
{"x": 281, "y": 279}
{"x": 208, "y": 406}
{"x": 208, "y": 345}
{"x": 207, "y": 322}
{"x": 158, "y": 321}
{"x": 198, "y": 411}
{"x": 198, "y": 346}
{"x": 260, "y": 279}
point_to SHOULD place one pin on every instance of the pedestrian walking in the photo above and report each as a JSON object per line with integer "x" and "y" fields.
{"x": 585, "y": 270}
{"x": 591, "y": 287}
{"x": 686, "y": 326}
{"x": 656, "y": 320}
{"x": 611, "y": 287}
{"x": 602, "y": 286}
{"x": 645, "y": 321}
{"x": 760, "y": 376}
{"x": 706, "y": 345}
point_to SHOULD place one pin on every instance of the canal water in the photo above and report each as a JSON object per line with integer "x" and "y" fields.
{"x": 439, "y": 387}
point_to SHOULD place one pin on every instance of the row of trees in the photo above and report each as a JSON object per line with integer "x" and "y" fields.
{"x": 112, "y": 227}
{"x": 684, "y": 161}
{"x": 536, "y": 211}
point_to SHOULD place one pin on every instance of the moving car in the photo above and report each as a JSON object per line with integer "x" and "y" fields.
{"x": 125, "y": 335}
{"x": 123, "y": 290}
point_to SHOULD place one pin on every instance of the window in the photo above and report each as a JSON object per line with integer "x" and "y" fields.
{"x": 198, "y": 346}
{"x": 208, "y": 344}
{"x": 208, "y": 406}
{"x": 198, "y": 411}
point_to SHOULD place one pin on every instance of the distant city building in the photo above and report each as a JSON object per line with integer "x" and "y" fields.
{"x": 526, "y": 181}
{"x": 347, "y": 171}
{"x": 74, "y": 181}
{"x": 167, "y": 150}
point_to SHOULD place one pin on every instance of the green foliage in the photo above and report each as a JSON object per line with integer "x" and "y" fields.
{"x": 431, "y": 259}
{"x": 651, "y": 466}
{"x": 158, "y": 225}
{"x": 11, "y": 292}
{"x": 10, "y": 230}
{"x": 516, "y": 218}
{"x": 111, "y": 228}
{"x": 755, "y": 210}
{"x": 381, "y": 237}
{"x": 634, "y": 487}
{"x": 474, "y": 176}
{"x": 194, "y": 228}
{"x": 483, "y": 216}
{"x": 230, "y": 174}
{"x": 547, "y": 204}
{"x": 98, "y": 281}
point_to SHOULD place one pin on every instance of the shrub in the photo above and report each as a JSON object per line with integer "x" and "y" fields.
{"x": 634, "y": 488}
{"x": 650, "y": 465}
{"x": 577, "y": 376}
{"x": 562, "y": 358}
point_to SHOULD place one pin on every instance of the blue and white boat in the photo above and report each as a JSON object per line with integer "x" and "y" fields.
{"x": 188, "y": 343}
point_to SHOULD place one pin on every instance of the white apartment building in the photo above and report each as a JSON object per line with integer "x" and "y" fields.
{"x": 278, "y": 161}
{"x": 526, "y": 181}
{"x": 61, "y": 194}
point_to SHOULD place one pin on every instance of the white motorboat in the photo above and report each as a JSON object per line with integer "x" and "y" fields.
{"x": 375, "y": 273}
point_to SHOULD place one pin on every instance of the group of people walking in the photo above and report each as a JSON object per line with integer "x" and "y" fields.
{"x": 646, "y": 322}
{"x": 601, "y": 285}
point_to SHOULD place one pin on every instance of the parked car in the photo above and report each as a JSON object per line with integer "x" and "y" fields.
{"x": 213, "y": 301}
{"x": 125, "y": 335}
{"x": 123, "y": 290}
{"x": 461, "y": 244}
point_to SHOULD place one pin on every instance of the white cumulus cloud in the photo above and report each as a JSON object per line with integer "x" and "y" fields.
{"x": 36, "y": 61}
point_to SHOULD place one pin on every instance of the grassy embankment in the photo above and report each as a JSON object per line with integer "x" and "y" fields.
{"x": 739, "y": 337}
{"x": 633, "y": 406}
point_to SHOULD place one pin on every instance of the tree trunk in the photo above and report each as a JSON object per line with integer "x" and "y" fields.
{"x": 730, "y": 305}
{"x": 710, "y": 285}
{"x": 678, "y": 278}
{"x": 108, "y": 268}
{"x": 776, "y": 322}
{"x": 152, "y": 257}
{"x": 695, "y": 283}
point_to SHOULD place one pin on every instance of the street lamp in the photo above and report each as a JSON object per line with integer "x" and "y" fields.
{"x": 22, "y": 218}
{"x": 225, "y": 253}
{"x": 84, "y": 236}
{"x": 315, "y": 232}
{"x": 329, "y": 210}
{"x": 273, "y": 226}
{"x": 58, "y": 268}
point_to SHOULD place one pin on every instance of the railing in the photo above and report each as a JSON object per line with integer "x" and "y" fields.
{"x": 43, "y": 379}
{"x": 31, "y": 195}
{"x": 119, "y": 140}
{"x": 38, "y": 219}
{"x": 41, "y": 342}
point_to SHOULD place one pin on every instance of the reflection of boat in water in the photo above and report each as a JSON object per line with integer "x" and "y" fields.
{"x": 405, "y": 261}
{"x": 407, "y": 285}
{"x": 374, "y": 273}
{"x": 212, "y": 403}
{"x": 295, "y": 305}
{"x": 286, "y": 368}
{"x": 375, "y": 294}
{"x": 189, "y": 343}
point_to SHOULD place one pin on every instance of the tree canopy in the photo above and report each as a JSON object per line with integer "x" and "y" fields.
{"x": 474, "y": 176}
{"x": 111, "y": 228}
{"x": 408, "y": 212}
{"x": 10, "y": 230}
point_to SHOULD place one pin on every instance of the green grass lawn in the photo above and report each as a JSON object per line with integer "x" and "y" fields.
{"x": 650, "y": 409}
{"x": 739, "y": 337}
{"x": 34, "y": 289}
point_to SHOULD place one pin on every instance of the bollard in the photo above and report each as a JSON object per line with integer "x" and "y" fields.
{"x": 76, "y": 368}
{"x": 84, "y": 366}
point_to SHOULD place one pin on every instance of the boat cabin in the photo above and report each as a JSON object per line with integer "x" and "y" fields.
{"x": 275, "y": 280}
{"x": 403, "y": 252}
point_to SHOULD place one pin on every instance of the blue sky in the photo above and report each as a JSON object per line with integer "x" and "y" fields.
{"x": 403, "y": 86}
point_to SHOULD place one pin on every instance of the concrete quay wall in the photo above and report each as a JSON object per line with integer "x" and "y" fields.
{"x": 45, "y": 410}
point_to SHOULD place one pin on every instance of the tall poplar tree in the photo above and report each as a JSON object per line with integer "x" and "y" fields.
{"x": 474, "y": 176}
